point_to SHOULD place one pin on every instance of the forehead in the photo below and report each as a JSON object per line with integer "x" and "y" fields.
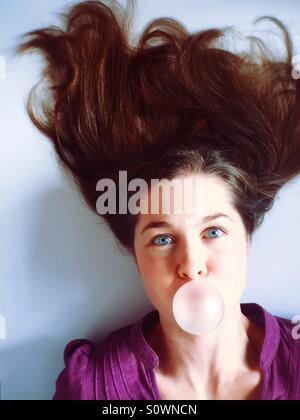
{"x": 193, "y": 196}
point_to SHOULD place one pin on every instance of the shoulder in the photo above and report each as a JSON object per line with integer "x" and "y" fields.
{"x": 288, "y": 358}
{"x": 84, "y": 360}
{"x": 290, "y": 336}
{"x": 71, "y": 383}
{"x": 280, "y": 351}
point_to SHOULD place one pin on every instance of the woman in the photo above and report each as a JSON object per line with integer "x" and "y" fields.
{"x": 176, "y": 106}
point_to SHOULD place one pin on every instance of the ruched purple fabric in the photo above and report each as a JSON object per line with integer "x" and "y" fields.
{"x": 121, "y": 366}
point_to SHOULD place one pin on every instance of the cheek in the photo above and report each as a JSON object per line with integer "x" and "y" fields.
{"x": 157, "y": 274}
{"x": 151, "y": 263}
{"x": 231, "y": 271}
{"x": 157, "y": 277}
{"x": 156, "y": 289}
{"x": 233, "y": 261}
{"x": 147, "y": 265}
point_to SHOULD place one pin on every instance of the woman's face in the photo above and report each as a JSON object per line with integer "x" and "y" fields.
{"x": 188, "y": 246}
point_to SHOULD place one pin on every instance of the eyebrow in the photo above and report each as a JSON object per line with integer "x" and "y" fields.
{"x": 157, "y": 224}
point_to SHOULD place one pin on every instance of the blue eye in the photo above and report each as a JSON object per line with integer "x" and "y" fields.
{"x": 215, "y": 229}
{"x": 163, "y": 238}
{"x": 166, "y": 237}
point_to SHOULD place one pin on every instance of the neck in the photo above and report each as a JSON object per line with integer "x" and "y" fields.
{"x": 231, "y": 348}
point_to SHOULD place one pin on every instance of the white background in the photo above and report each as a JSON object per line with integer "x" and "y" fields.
{"x": 61, "y": 273}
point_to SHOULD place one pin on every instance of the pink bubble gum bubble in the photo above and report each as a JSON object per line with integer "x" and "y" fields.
{"x": 198, "y": 307}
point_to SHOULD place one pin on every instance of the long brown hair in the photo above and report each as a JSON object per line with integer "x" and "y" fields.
{"x": 164, "y": 103}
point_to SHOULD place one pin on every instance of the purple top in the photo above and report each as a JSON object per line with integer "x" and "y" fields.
{"x": 121, "y": 366}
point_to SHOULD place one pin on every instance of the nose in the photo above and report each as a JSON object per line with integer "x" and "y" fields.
{"x": 192, "y": 262}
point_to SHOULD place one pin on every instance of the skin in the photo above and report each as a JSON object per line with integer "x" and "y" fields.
{"x": 221, "y": 364}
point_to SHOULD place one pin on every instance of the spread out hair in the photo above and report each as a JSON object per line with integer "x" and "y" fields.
{"x": 164, "y": 103}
